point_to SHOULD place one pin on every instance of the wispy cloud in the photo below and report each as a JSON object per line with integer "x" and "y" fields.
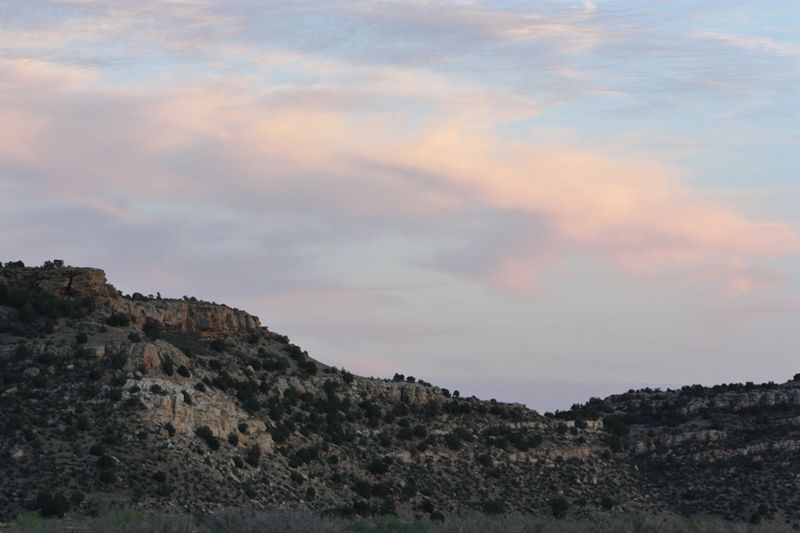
{"x": 212, "y": 144}
{"x": 335, "y": 146}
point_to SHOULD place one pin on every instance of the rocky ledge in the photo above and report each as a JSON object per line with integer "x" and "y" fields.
{"x": 90, "y": 287}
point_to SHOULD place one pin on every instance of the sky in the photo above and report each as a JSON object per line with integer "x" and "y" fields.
{"x": 529, "y": 201}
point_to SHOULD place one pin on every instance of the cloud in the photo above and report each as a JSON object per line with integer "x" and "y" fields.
{"x": 219, "y": 148}
{"x": 758, "y": 43}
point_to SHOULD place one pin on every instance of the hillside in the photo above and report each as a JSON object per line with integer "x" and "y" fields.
{"x": 180, "y": 404}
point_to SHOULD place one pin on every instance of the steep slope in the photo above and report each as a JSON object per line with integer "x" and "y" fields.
{"x": 183, "y": 404}
{"x": 731, "y": 449}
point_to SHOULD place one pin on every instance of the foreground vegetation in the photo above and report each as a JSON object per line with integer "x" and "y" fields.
{"x": 294, "y": 521}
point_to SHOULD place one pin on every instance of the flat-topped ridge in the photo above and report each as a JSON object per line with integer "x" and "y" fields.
{"x": 90, "y": 286}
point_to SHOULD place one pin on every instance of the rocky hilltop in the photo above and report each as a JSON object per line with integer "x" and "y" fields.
{"x": 180, "y": 404}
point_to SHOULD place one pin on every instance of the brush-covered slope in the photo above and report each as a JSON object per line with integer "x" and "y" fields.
{"x": 183, "y": 404}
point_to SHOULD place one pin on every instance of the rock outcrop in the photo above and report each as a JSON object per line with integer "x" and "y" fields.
{"x": 181, "y": 316}
{"x": 173, "y": 315}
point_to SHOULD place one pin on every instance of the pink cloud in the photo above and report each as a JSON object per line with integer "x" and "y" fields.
{"x": 641, "y": 215}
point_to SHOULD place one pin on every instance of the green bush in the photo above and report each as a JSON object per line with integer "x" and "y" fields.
{"x": 559, "y": 506}
{"x": 118, "y": 320}
{"x": 607, "y": 502}
{"x": 105, "y": 462}
{"x": 253, "y": 455}
{"x": 309, "y": 367}
{"x": 151, "y": 329}
{"x": 52, "y": 505}
{"x": 119, "y": 360}
{"x": 205, "y": 433}
{"x": 363, "y": 488}
{"x": 493, "y": 507}
{"x": 218, "y": 345}
{"x": 378, "y": 466}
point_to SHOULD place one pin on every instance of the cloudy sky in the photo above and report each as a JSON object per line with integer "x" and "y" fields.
{"x": 533, "y": 201}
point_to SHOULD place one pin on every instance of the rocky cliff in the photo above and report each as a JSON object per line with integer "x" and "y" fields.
{"x": 182, "y": 404}
{"x": 90, "y": 285}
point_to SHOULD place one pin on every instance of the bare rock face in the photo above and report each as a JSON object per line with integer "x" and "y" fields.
{"x": 186, "y": 409}
{"x": 63, "y": 282}
{"x": 388, "y": 391}
{"x": 181, "y": 316}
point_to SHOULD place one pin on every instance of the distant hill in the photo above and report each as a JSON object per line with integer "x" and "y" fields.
{"x": 180, "y": 404}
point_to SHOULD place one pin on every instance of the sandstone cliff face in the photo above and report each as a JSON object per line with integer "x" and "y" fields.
{"x": 166, "y": 402}
{"x": 179, "y": 316}
{"x": 65, "y": 282}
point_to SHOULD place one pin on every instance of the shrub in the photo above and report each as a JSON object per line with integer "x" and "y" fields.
{"x": 559, "y": 506}
{"x": 52, "y": 504}
{"x": 119, "y": 360}
{"x": 151, "y": 329}
{"x": 83, "y": 423}
{"x": 616, "y": 424}
{"x": 233, "y": 439}
{"x": 77, "y": 497}
{"x": 295, "y": 352}
{"x": 453, "y": 441}
{"x": 105, "y": 462}
{"x": 160, "y": 476}
{"x": 309, "y": 367}
{"x": 218, "y": 345}
{"x": 115, "y": 395}
{"x": 27, "y": 313}
{"x": 493, "y": 507}
{"x": 363, "y": 488}
{"x": 183, "y": 371}
{"x": 253, "y": 455}
{"x": 134, "y": 337}
{"x": 118, "y": 320}
{"x": 607, "y": 502}
{"x": 81, "y": 338}
{"x": 378, "y": 466}
{"x": 205, "y": 433}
